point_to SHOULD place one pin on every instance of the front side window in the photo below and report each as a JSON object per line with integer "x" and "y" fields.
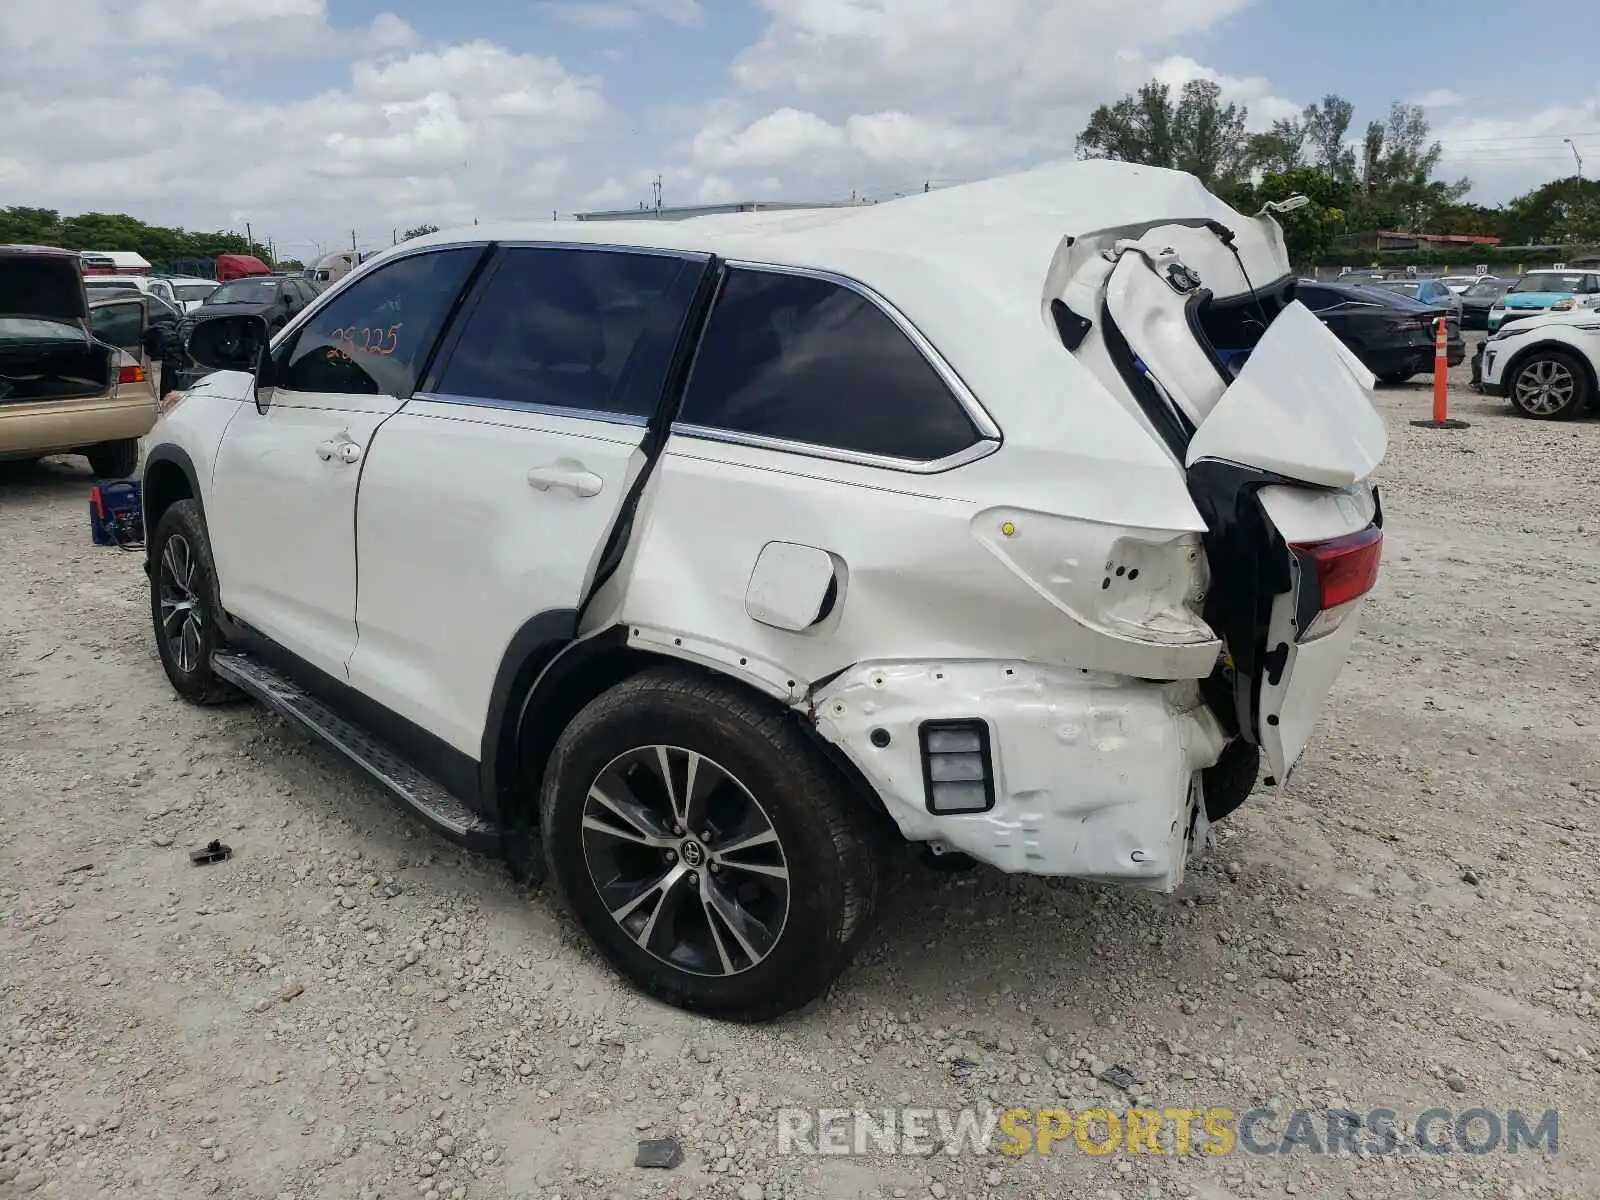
{"x": 808, "y": 360}
{"x": 591, "y": 330}
{"x": 376, "y": 335}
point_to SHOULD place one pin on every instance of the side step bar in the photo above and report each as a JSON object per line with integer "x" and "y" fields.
{"x": 438, "y": 807}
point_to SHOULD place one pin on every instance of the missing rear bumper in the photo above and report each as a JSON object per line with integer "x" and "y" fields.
{"x": 1093, "y": 776}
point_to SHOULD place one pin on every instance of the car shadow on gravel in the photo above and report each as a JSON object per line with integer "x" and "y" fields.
{"x": 46, "y": 478}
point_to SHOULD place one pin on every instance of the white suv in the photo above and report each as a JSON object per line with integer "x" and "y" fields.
{"x": 701, "y": 554}
{"x": 1546, "y": 365}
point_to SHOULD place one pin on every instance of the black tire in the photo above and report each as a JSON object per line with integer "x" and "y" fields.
{"x": 186, "y": 641}
{"x": 1557, "y": 364}
{"x": 826, "y": 840}
{"x": 114, "y": 460}
{"x": 1395, "y": 378}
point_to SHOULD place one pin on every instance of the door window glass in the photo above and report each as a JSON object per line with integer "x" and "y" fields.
{"x": 119, "y": 324}
{"x": 808, "y": 360}
{"x": 374, "y": 338}
{"x": 591, "y": 330}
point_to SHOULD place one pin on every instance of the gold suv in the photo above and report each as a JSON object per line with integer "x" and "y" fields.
{"x": 73, "y": 373}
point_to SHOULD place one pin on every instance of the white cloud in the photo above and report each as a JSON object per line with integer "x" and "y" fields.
{"x": 1507, "y": 154}
{"x": 272, "y": 111}
{"x": 441, "y": 135}
{"x": 624, "y": 14}
{"x": 211, "y": 25}
{"x": 1439, "y": 98}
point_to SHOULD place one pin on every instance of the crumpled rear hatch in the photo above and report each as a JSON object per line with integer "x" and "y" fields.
{"x": 1271, "y": 417}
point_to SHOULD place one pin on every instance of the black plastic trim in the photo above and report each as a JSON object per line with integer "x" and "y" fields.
{"x": 178, "y": 457}
{"x": 966, "y": 724}
{"x": 1249, "y": 570}
{"x": 531, "y": 649}
{"x": 670, "y": 399}
{"x": 1191, "y": 315}
{"x": 1069, "y": 325}
{"x": 1173, "y": 428}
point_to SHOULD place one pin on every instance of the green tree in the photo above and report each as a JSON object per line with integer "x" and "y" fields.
{"x": 1327, "y": 131}
{"x": 1561, "y": 211}
{"x": 1281, "y": 148}
{"x": 420, "y": 231}
{"x": 114, "y": 231}
{"x": 1198, "y": 133}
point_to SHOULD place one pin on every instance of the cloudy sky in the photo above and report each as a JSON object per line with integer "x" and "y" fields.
{"x": 309, "y": 118}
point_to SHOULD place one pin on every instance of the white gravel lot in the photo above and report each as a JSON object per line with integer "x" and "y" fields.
{"x": 351, "y": 1007}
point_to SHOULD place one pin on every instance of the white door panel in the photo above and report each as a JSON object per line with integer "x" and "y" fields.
{"x": 281, "y": 514}
{"x": 473, "y": 519}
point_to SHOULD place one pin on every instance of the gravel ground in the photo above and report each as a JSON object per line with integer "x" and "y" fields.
{"x": 351, "y": 1007}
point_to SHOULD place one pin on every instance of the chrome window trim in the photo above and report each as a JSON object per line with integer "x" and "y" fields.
{"x": 989, "y": 436}
{"x": 979, "y": 449}
{"x": 544, "y": 410}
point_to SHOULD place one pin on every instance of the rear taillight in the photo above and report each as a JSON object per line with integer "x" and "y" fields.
{"x": 1333, "y": 574}
{"x": 133, "y": 374}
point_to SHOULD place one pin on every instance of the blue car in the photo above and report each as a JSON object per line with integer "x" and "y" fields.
{"x": 1546, "y": 291}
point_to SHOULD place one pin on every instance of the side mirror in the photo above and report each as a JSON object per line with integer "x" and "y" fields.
{"x": 232, "y": 343}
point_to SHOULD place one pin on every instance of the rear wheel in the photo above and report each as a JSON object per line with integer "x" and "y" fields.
{"x": 1549, "y": 385}
{"x": 708, "y": 850}
{"x": 114, "y": 460}
{"x": 184, "y": 606}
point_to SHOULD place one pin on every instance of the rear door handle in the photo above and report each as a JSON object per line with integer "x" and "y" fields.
{"x": 568, "y": 476}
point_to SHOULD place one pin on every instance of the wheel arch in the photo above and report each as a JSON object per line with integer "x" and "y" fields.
{"x": 169, "y": 476}
{"x": 1521, "y": 357}
{"x": 562, "y": 680}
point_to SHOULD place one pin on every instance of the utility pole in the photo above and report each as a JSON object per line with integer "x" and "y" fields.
{"x": 353, "y": 247}
{"x": 657, "y": 188}
{"x": 249, "y": 238}
{"x": 1575, "y": 155}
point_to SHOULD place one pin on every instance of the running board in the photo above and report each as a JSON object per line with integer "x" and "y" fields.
{"x": 438, "y": 807}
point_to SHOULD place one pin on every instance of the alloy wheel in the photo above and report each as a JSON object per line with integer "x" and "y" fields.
{"x": 180, "y": 603}
{"x": 686, "y": 860}
{"x": 1545, "y": 387}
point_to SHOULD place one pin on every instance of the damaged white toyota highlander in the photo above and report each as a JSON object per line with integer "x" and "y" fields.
{"x": 1025, "y": 520}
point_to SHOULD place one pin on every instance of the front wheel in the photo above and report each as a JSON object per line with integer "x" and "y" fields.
{"x": 184, "y": 605}
{"x": 710, "y": 852}
{"x": 1549, "y": 386}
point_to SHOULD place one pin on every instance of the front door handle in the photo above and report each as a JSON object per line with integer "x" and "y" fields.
{"x": 568, "y": 476}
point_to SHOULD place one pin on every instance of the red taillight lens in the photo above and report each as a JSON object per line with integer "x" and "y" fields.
{"x": 133, "y": 374}
{"x": 1346, "y": 567}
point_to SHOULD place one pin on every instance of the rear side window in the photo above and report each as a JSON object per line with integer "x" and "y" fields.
{"x": 807, "y": 360}
{"x": 1315, "y": 298}
{"x": 586, "y": 330}
{"x": 376, "y": 335}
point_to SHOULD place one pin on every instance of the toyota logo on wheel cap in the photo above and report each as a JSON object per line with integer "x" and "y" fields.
{"x": 693, "y": 854}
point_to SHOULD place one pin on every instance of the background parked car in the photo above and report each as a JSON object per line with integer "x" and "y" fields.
{"x": 1387, "y": 330}
{"x": 273, "y": 298}
{"x": 73, "y": 370}
{"x": 1548, "y": 366}
{"x": 1433, "y": 292}
{"x": 1539, "y": 291}
{"x": 1478, "y": 299}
